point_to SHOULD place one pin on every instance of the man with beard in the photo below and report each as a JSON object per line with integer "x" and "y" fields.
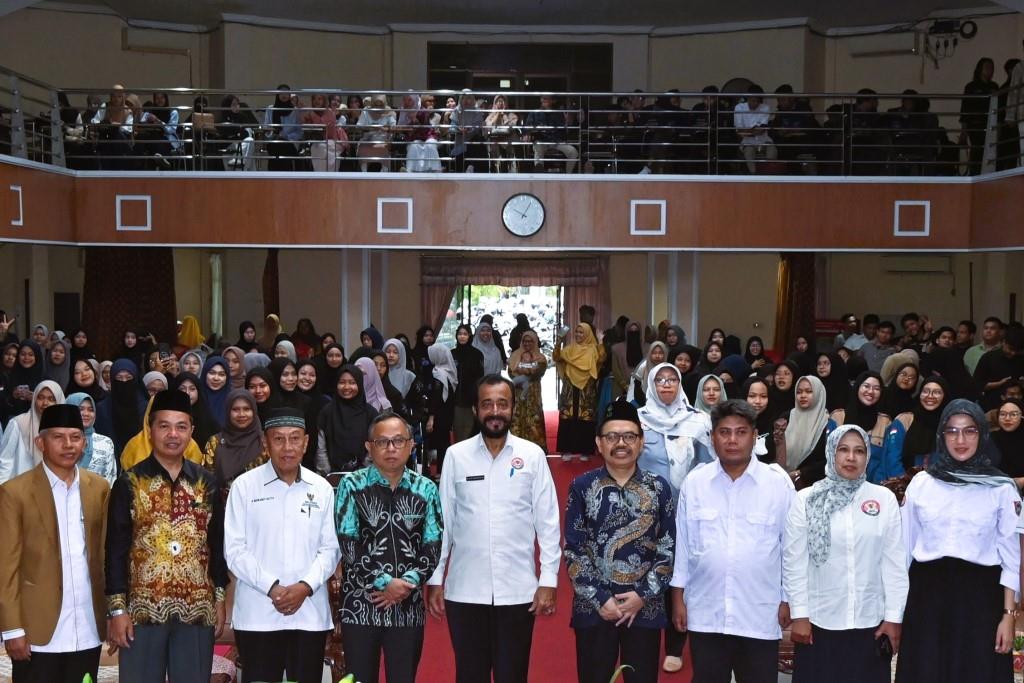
{"x": 497, "y": 498}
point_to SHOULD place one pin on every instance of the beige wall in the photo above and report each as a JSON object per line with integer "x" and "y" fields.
{"x": 737, "y": 293}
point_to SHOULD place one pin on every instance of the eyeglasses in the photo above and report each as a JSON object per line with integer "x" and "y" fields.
{"x": 968, "y": 433}
{"x": 666, "y": 381}
{"x": 612, "y": 438}
{"x": 398, "y": 442}
{"x": 933, "y": 392}
{"x": 1009, "y": 416}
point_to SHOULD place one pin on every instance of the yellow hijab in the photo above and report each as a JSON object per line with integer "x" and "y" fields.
{"x": 579, "y": 362}
{"x": 141, "y": 446}
{"x": 191, "y": 335}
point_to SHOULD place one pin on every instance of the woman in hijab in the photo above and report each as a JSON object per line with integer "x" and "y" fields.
{"x": 912, "y": 434}
{"x": 831, "y": 370}
{"x": 305, "y": 339}
{"x": 960, "y": 531}
{"x": 236, "y": 365}
{"x": 949, "y": 364}
{"x": 154, "y": 382}
{"x": 527, "y": 366}
{"x": 686, "y": 358}
{"x": 85, "y": 378}
{"x": 677, "y": 437}
{"x": 657, "y": 353}
{"x": 733, "y": 371}
{"x": 140, "y": 446}
{"x": 104, "y": 375}
{"x": 372, "y": 386}
{"x": 134, "y": 348}
{"x": 894, "y": 363}
{"x": 203, "y": 425}
{"x": 98, "y": 456}
{"x": 782, "y": 396}
{"x": 807, "y": 429}
{"x": 18, "y": 450}
{"x": 271, "y": 330}
{"x": 192, "y": 361}
{"x": 394, "y": 396}
{"x": 254, "y": 359}
{"x": 522, "y": 325}
{"x": 286, "y": 392}
{"x": 120, "y": 415}
{"x": 483, "y": 341}
{"x": 627, "y": 356}
{"x": 445, "y": 382}
{"x": 469, "y": 366}
{"x": 675, "y": 339}
{"x": 247, "y": 337}
{"x": 238, "y": 447}
{"x": 863, "y": 411}
{"x": 285, "y": 349}
{"x": 755, "y": 392}
{"x": 214, "y": 387}
{"x": 710, "y": 359}
{"x": 343, "y": 425}
{"x": 190, "y": 336}
{"x": 308, "y": 382}
{"x": 1009, "y": 440}
{"x": 754, "y": 355}
{"x": 260, "y": 383}
{"x": 901, "y": 390}
{"x": 329, "y": 368}
{"x": 398, "y": 372}
{"x": 577, "y": 364}
{"x": 425, "y": 337}
{"x": 710, "y": 392}
{"x": 843, "y": 543}
{"x": 26, "y": 375}
{"x": 80, "y": 346}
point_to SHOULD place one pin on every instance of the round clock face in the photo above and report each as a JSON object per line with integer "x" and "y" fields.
{"x": 523, "y": 215}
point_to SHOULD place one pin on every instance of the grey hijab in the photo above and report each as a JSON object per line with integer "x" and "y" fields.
{"x": 978, "y": 469}
{"x": 830, "y": 495}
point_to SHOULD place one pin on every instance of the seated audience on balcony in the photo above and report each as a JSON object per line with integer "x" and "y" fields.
{"x": 702, "y": 151}
{"x": 200, "y": 128}
{"x": 375, "y": 129}
{"x": 168, "y": 116}
{"x": 870, "y": 135}
{"x": 915, "y": 135}
{"x": 974, "y": 110}
{"x": 79, "y": 151}
{"x": 236, "y": 126}
{"x": 283, "y": 131}
{"x": 113, "y": 125}
{"x": 467, "y": 121}
{"x": 422, "y": 154}
{"x": 324, "y": 125}
{"x": 502, "y": 134}
{"x": 665, "y": 122}
{"x": 547, "y": 130}
{"x": 752, "y": 121}
{"x": 794, "y": 126}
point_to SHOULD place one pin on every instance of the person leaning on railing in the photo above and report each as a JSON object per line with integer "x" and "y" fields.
{"x": 547, "y": 129}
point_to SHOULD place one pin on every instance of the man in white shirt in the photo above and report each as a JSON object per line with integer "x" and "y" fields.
{"x": 752, "y": 119}
{"x": 52, "y": 609}
{"x": 727, "y": 584}
{"x": 497, "y": 498}
{"x": 279, "y": 541}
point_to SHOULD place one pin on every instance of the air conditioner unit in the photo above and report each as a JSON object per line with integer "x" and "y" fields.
{"x": 919, "y": 264}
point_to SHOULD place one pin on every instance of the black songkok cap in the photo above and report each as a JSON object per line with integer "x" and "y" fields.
{"x": 171, "y": 399}
{"x": 284, "y": 417}
{"x": 620, "y": 410}
{"x": 61, "y": 415}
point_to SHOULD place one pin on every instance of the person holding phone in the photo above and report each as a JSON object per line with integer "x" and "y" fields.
{"x": 844, "y": 569}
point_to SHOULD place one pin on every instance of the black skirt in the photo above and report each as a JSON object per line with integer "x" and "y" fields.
{"x": 849, "y": 656}
{"x": 949, "y": 626}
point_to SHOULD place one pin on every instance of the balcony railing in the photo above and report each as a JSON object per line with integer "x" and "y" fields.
{"x": 832, "y": 134}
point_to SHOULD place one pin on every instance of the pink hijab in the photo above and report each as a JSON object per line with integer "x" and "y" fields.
{"x": 372, "y": 386}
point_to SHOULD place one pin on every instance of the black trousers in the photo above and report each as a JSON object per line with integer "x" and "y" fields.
{"x": 490, "y": 638}
{"x": 599, "y": 648}
{"x": 716, "y": 657}
{"x": 675, "y": 640}
{"x": 281, "y": 655}
{"x": 57, "y": 667}
{"x": 402, "y": 646}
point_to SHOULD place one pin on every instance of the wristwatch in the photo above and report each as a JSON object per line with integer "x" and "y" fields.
{"x": 1012, "y": 612}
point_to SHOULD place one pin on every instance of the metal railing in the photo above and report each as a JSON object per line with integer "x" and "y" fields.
{"x": 510, "y": 132}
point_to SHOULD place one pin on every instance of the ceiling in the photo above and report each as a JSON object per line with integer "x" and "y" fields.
{"x": 825, "y": 14}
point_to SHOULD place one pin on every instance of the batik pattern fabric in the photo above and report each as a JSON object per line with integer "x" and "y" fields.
{"x": 165, "y": 545}
{"x": 619, "y": 539}
{"x": 528, "y": 415}
{"x": 386, "y": 534}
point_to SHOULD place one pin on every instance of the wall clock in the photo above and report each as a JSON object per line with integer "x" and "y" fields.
{"x": 523, "y": 215}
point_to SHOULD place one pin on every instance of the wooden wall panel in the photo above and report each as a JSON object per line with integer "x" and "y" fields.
{"x": 464, "y": 212}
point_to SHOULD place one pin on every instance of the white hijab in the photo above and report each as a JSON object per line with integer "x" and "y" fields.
{"x": 28, "y": 422}
{"x": 400, "y": 375}
{"x": 444, "y": 370}
{"x": 677, "y": 419}
{"x": 806, "y": 425}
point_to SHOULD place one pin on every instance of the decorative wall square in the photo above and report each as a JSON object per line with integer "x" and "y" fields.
{"x": 912, "y": 218}
{"x": 647, "y": 216}
{"x": 20, "y": 220}
{"x": 134, "y": 212}
{"x": 394, "y": 215}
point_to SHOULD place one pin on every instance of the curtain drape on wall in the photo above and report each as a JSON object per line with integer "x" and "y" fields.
{"x": 794, "y": 299}
{"x": 128, "y": 288}
{"x": 585, "y": 281}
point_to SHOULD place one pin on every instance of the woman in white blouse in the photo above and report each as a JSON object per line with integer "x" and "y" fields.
{"x": 98, "y": 456}
{"x": 959, "y": 526}
{"x": 844, "y": 569}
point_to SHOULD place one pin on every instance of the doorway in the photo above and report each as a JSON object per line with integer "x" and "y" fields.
{"x": 542, "y": 305}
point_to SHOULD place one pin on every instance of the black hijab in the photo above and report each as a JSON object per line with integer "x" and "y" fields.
{"x": 236, "y": 447}
{"x": 246, "y": 346}
{"x": 30, "y": 376}
{"x": 264, "y": 408}
{"x": 859, "y": 414}
{"x": 286, "y": 399}
{"x": 895, "y": 400}
{"x": 751, "y": 358}
{"x": 1011, "y": 444}
{"x": 205, "y": 426}
{"x": 96, "y": 392}
{"x": 949, "y": 363}
{"x": 978, "y": 469}
{"x": 782, "y": 402}
{"x": 314, "y": 393}
{"x": 125, "y": 397}
{"x": 420, "y": 356}
{"x": 837, "y": 384}
{"x": 77, "y": 354}
{"x": 326, "y": 376}
{"x": 920, "y": 438}
{"x": 344, "y": 423}
{"x": 634, "y": 345}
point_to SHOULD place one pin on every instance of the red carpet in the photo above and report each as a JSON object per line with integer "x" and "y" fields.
{"x": 553, "y": 658}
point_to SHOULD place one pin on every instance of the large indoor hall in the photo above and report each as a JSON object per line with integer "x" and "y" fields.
{"x": 458, "y": 341}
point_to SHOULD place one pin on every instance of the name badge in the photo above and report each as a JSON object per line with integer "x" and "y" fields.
{"x": 478, "y": 477}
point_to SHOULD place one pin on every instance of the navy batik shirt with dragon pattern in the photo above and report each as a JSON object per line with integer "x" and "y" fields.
{"x": 619, "y": 539}
{"x": 386, "y": 534}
